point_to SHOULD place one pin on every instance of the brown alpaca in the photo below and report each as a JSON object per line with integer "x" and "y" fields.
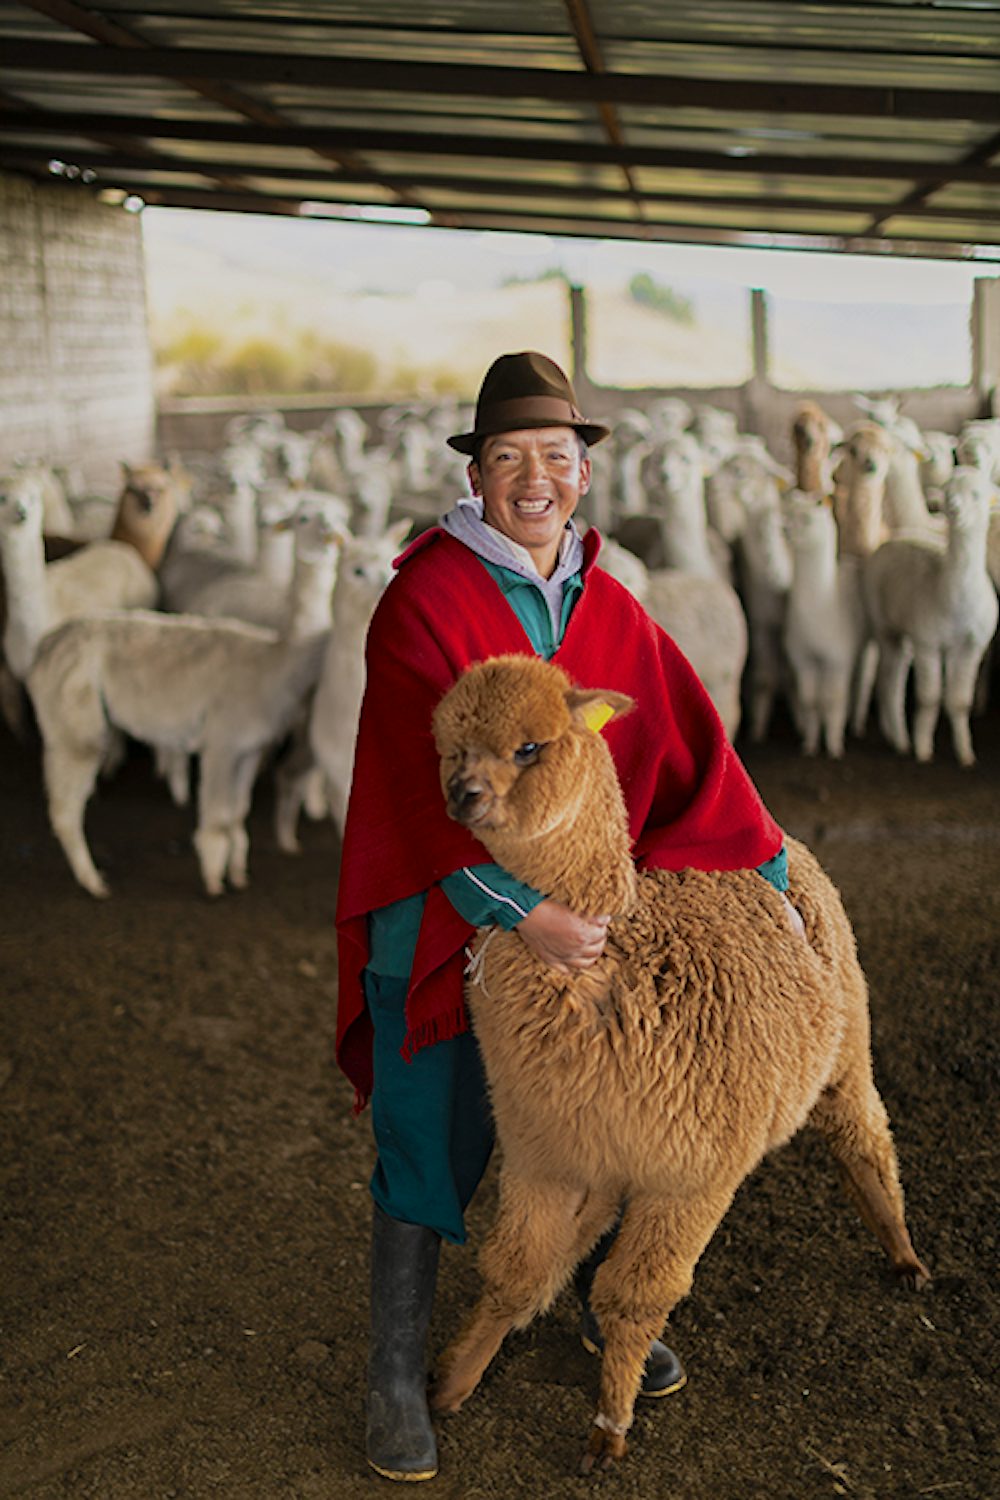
{"x": 706, "y": 1035}
{"x": 813, "y": 434}
{"x": 860, "y": 489}
{"x": 151, "y": 497}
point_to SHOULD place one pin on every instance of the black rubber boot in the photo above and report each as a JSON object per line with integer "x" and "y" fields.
{"x": 664, "y": 1372}
{"x": 400, "y": 1438}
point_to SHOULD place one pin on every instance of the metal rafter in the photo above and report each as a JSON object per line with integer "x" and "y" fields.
{"x": 118, "y": 161}
{"x": 111, "y": 34}
{"x": 915, "y": 200}
{"x": 593, "y": 60}
{"x": 194, "y": 65}
{"x": 503, "y": 148}
{"x": 666, "y": 230}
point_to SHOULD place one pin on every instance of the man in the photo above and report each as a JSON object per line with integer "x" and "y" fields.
{"x": 505, "y": 571}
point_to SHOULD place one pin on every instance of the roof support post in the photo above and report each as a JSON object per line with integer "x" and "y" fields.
{"x": 986, "y": 339}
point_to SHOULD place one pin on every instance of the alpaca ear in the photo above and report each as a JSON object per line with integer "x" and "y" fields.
{"x": 593, "y": 708}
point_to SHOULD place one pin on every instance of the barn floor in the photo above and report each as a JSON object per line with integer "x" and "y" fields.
{"x": 186, "y": 1214}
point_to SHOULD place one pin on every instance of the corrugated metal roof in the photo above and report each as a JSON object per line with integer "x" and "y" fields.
{"x": 839, "y": 125}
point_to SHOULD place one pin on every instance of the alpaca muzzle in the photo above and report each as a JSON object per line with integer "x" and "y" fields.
{"x": 468, "y": 800}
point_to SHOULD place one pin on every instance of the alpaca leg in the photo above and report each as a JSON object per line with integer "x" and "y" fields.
{"x": 834, "y": 694}
{"x": 244, "y": 776}
{"x": 960, "y": 668}
{"x": 927, "y": 674}
{"x": 647, "y": 1271}
{"x": 525, "y": 1261}
{"x": 893, "y": 670}
{"x": 69, "y": 781}
{"x": 761, "y": 707}
{"x": 13, "y": 703}
{"x": 807, "y": 692}
{"x": 115, "y": 750}
{"x": 317, "y": 801}
{"x": 293, "y": 786}
{"x": 866, "y": 670}
{"x": 172, "y": 765}
{"x": 852, "y": 1119}
{"x": 212, "y": 838}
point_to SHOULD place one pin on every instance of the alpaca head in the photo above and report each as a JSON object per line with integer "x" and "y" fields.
{"x": 152, "y": 497}
{"x": 968, "y": 496}
{"x": 868, "y": 449}
{"x": 21, "y": 506}
{"x": 517, "y": 743}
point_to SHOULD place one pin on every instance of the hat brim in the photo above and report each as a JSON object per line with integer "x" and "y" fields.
{"x": 591, "y": 432}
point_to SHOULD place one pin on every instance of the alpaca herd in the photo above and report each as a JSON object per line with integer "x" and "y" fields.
{"x": 821, "y": 558}
{"x": 875, "y": 558}
{"x": 216, "y": 631}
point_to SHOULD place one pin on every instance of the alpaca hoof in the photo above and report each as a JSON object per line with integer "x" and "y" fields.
{"x": 604, "y": 1449}
{"x": 914, "y": 1276}
{"x": 97, "y": 887}
{"x": 289, "y": 844}
{"x": 446, "y": 1395}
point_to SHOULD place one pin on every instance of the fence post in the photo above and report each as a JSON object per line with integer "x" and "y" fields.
{"x": 578, "y": 336}
{"x": 758, "y": 333}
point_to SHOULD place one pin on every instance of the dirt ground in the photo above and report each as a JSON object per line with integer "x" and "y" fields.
{"x": 186, "y": 1213}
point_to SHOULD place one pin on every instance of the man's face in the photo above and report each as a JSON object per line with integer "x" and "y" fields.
{"x": 531, "y": 482}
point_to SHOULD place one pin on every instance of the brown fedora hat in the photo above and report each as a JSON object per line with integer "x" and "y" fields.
{"x": 525, "y": 390}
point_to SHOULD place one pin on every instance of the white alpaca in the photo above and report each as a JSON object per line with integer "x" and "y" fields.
{"x": 936, "y": 467}
{"x": 372, "y": 491}
{"x": 979, "y": 446}
{"x": 678, "y": 499}
{"x": 765, "y": 568}
{"x": 216, "y": 688}
{"x": 40, "y": 596}
{"x": 628, "y": 448}
{"x": 938, "y": 609}
{"x": 703, "y": 615}
{"x": 260, "y": 595}
{"x": 364, "y": 572}
{"x": 825, "y": 627}
{"x": 669, "y": 416}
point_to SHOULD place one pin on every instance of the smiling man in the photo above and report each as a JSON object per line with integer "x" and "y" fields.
{"x": 506, "y": 571}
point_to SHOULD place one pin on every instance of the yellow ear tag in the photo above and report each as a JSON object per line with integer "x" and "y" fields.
{"x": 596, "y": 715}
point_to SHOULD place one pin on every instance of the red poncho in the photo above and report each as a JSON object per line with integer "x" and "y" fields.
{"x": 690, "y": 800}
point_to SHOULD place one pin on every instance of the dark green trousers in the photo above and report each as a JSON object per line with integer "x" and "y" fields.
{"x": 431, "y": 1118}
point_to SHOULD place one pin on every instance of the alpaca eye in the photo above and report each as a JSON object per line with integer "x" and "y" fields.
{"x": 526, "y": 753}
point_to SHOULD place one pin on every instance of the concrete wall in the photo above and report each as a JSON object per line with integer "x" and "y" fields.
{"x": 76, "y": 377}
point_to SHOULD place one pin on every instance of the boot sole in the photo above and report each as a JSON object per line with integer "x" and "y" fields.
{"x": 668, "y": 1390}
{"x": 413, "y": 1476}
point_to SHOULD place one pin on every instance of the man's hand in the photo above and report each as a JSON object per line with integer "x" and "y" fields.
{"x": 561, "y": 938}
